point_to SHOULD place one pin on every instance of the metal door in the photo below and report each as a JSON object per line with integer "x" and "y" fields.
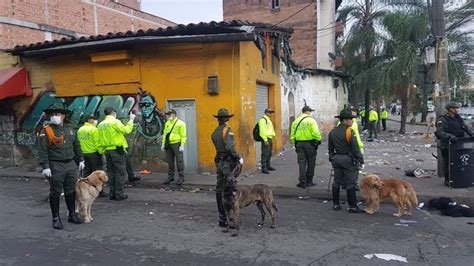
{"x": 261, "y": 102}
{"x": 186, "y": 111}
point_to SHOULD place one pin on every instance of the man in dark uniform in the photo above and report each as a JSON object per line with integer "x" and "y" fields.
{"x": 58, "y": 152}
{"x": 226, "y": 158}
{"x": 449, "y": 128}
{"x": 346, "y": 158}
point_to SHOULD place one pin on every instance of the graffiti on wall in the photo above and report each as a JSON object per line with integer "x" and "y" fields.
{"x": 144, "y": 142}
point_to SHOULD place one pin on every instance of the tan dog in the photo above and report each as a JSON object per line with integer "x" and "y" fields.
{"x": 374, "y": 190}
{"x": 87, "y": 190}
{"x": 237, "y": 197}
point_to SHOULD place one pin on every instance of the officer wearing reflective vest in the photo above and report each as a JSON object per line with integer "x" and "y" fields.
{"x": 267, "y": 134}
{"x": 88, "y": 137}
{"x": 58, "y": 152}
{"x": 449, "y": 128}
{"x": 355, "y": 128}
{"x": 384, "y": 117}
{"x": 306, "y": 137}
{"x": 111, "y": 139}
{"x": 174, "y": 139}
{"x": 346, "y": 159}
{"x": 226, "y": 158}
{"x": 373, "y": 118}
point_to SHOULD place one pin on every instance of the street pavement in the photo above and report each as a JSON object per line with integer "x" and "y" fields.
{"x": 163, "y": 227}
{"x": 389, "y": 156}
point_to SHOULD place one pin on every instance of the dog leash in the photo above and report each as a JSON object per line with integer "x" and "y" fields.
{"x": 329, "y": 183}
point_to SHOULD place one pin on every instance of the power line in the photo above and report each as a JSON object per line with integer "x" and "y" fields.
{"x": 296, "y": 13}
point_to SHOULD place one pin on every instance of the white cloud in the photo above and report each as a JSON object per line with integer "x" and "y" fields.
{"x": 185, "y": 11}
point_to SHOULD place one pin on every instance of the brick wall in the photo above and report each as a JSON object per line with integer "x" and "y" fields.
{"x": 70, "y": 17}
{"x": 303, "y": 40}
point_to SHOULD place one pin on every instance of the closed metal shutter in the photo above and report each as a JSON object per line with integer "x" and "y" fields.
{"x": 261, "y": 103}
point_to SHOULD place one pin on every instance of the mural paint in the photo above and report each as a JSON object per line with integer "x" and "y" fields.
{"x": 144, "y": 142}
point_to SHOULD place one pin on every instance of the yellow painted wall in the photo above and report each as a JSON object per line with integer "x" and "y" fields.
{"x": 174, "y": 72}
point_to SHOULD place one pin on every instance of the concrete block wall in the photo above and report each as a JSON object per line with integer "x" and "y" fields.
{"x": 303, "y": 40}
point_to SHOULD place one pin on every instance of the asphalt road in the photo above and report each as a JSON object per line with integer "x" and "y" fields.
{"x": 157, "y": 227}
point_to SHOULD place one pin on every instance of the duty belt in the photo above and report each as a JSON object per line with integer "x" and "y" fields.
{"x": 61, "y": 161}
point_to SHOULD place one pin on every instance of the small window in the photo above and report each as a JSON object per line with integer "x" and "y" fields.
{"x": 275, "y": 4}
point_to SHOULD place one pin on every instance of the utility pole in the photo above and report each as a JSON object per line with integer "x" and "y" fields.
{"x": 439, "y": 71}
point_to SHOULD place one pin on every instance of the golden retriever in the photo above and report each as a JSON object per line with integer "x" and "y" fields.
{"x": 87, "y": 190}
{"x": 374, "y": 190}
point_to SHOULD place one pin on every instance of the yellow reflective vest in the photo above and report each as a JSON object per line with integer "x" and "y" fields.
{"x": 307, "y": 129}
{"x": 384, "y": 115}
{"x": 178, "y": 135}
{"x": 266, "y": 129}
{"x": 355, "y": 128}
{"x": 88, "y": 136}
{"x": 112, "y": 133}
{"x": 373, "y": 116}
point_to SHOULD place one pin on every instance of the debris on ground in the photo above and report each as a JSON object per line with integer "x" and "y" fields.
{"x": 408, "y": 221}
{"x": 303, "y": 197}
{"x": 387, "y": 257}
{"x": 194, "y": 190}
{"x": 399, "y": 224}
{"x": 145, "y": 172}
{"x": 418, "y": 173}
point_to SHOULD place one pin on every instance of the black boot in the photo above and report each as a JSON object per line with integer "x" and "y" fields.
{"x": 169, "y": 180}
{"x": 220, "y": 209}
{"x": 270, "y": 168}
{"x": 71, "y": 206}
{"x": 265, "y": 170}
{"x": 335, "y": 199}
{"x": 309, "y": 182}
{"x": 351, "y": 199}
{"x": 103, "y": 194}
{"x": 180, "y": 180}
{"x": 54, "y": 205}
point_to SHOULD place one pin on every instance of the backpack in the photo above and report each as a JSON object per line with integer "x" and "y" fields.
{"x": 256, "y": 131}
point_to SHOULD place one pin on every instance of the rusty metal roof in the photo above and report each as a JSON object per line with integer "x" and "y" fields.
{"x": 190, "y": 30}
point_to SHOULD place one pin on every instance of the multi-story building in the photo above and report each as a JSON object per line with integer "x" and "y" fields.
{"x": 31, "y": 21}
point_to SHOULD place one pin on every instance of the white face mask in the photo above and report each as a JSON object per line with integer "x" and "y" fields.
{"x": 95, "y": 122}
{"x": 56, "y": 119}
{"x": 170, "y": 118}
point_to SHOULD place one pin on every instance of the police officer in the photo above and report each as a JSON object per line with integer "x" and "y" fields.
{"x": 355, "y": 128}
{"x": 128, "y": 166}
{"x": 306, "y": 137}
{"x": 449, "y": 128}
{"x": 373, "y": 118}
{"x": 346, "y": 158}
{"x": 384, "y": 117}
{"x": 111, "y": 140}
{"x": 267, "y": 133}
{"x": 88, "y": 137}
{"x": 226, "y": 157}
{"x": 58, "y": 152}
{"x": 174, "y": 139}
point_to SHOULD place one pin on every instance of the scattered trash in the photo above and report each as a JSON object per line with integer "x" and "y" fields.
{"x": 151, "y": 213}
{"x": 427, "y": 145}
{"x": 194, "y": 190}
{"x": 421, "y": 205}
{"x": 419, "y": 160}
{"x": 418, "y": 173}
{"x": 145, "y": 172}
{"x": 146, "y": 203}
{"x": 470, "y": 222}
{"x": 303, "y": 197}
{"x": 28, "y": 254}
{"x": 325, "y": 201}
{"x": 400, "y": 224}
{"x": 386, "y": 257}
{"x": 206, "y": 173}
{"x": 408, "y": 221}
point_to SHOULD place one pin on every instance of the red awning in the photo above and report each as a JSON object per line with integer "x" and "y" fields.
{"x": 14, "y": 82}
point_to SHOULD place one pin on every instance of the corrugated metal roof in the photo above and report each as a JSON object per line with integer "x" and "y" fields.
{"x": 211, "y": 28}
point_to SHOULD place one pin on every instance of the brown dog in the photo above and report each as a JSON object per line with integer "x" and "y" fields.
{"x": 237, "y": 197}
{"x": 87, "y": 190}
{"x": 374, "y": 190}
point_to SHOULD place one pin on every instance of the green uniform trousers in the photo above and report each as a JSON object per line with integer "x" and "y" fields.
{"x": 306, "y": 152}
{"x": 63, "y": 177}
{"x": 116, "y": 170}
{"x": 345, "y": 172}
{"x": 266, "y": 154}
{"x": 172, "y": 153}
{"x": 93, "y": 162}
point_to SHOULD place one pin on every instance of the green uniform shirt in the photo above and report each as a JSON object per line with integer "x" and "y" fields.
{"x": 225, "y": 145}
{"x": 384, "y": 115}
{"x": 266, "y": 129}
{"x": 112, "y": 131}
{"x": 355, "y": 129}
{"x": 307, "y": 130}
{"x": 373, "y": 116}
{"x": 178, "y": 135}
{"x": 88, "y": 136}
{"x": 337, "y": 144}
{"x": 69, "y": 149}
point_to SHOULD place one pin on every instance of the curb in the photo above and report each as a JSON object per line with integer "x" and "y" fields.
{"x": 284, "y": 192}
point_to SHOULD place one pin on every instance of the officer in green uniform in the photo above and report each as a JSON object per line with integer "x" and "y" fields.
{"x": 58, "y": 152}
{"x": 111, "y": 140}
{"x": 373, "y": 118}
{"x": 306, "y": 137}
{"x": 174, "y": 139}
{"x": 449, "y": 128}
{"x": 355, "y": 128}
{"x": 226, "y": 158}
{"x": 346, "y": 158}
{"x": 384, "y": 117}
{"x": 267, "y": 133}
{"x": 88, "y": 137}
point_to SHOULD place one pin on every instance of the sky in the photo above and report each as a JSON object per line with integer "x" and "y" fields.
{"x": 185, "y": 11}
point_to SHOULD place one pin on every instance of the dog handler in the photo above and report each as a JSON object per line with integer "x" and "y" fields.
{"x": 306, "y": 137}
{"x": 111, "y": 139}
{"x": 226, "y": 158}
{"x": 174, "y": 139}
{"x": 58, "y": 151}
{"x": 346, "y": 158}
